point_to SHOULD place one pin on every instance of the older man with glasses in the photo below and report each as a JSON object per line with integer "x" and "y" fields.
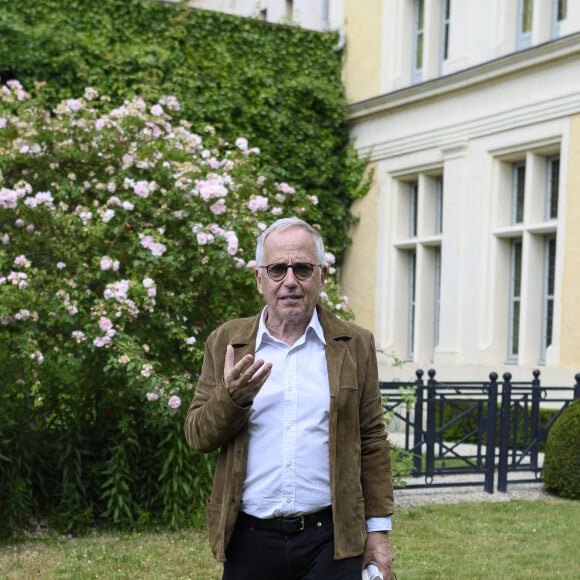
{"x": 290, "y": 397}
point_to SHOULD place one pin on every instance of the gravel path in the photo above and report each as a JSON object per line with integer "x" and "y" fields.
{"x": 405, "y": 498}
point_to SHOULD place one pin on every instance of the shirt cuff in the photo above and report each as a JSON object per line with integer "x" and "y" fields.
{"x": 379, "y": 524}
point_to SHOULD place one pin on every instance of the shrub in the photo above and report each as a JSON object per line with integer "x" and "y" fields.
{"x": 561, "y": 469}
{"x": 278, "y": 86}
{"x": 125, "y": 238}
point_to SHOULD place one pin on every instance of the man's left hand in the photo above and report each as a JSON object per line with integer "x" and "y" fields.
{"x": 378, "y": 551}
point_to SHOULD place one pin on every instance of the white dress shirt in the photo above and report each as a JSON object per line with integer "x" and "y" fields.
{"x": 288, "y": 471}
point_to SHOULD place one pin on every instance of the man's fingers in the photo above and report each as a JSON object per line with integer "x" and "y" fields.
{"x": 236, "y": 371}
{"x": 264, "y": 372}
{"x": 229, "y": 364}
{"x": 245, "y": 378}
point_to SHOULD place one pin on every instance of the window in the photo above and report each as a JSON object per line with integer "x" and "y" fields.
{"x": 413, "y": 203}
{"x": 411, "y": 305}
{"x": 559, "y": 15}
{"x": 419, "y": 263}
{"x": 518, "y": 191}
{"x": 515, "y": 300}
{"x": 527, "y": 253}
{"x": 525, "y": 18}
{"x": 445, "y": 23}
{"x": 439, "y": 205}
{"x": 548, "y": 294}
{"x": 552, "y": 187}
{"x": 418, "y": 40}
{"x": 437, "y": 295}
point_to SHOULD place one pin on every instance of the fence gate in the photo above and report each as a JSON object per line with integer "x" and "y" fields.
{"x": 490, "y": 427}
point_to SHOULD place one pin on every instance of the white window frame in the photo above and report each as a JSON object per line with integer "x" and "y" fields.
{"x": 445, "y": 29}
{"x": 413, "y": 208}
{"x": 437, "y": 311}
{"x": 524, "y": 37}
{"x": 530, "y": 290}
{"x": 419, "y": 249}
{"x": 559, "y": 15}
{"x": 518, "y": 192}
{"x": 515, "y": 296}
{"x": 552, "y": 187}
{"x": 411, "y": 304}
{"x": 418, "y": 40}
{"x": 548, "y": 294}
{"x": 439, "y": 205}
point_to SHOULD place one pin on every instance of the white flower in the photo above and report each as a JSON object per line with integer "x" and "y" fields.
{"x": 146, "y": 370}
{"x": 242, "y": 143}
{"x": 174, "y": 402}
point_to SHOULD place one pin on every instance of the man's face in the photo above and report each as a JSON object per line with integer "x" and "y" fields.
{"x": 290, "y": 299}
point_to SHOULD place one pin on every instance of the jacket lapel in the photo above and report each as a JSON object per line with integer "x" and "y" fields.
{"x": 337, "y": 339}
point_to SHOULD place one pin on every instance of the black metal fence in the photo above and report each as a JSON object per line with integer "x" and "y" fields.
{"x": 488, "y": 428}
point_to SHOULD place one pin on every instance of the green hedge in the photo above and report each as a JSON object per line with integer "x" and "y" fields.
{"x": 278, "y": 86}
{"x": 561, "y": 468}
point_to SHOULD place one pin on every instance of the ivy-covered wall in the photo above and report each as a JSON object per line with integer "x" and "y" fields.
{"x": 279, "y": 86}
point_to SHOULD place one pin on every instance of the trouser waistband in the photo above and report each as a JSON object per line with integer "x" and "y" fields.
{"x": 287, "y": 525}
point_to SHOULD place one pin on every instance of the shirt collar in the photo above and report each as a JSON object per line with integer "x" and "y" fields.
{"x": 313, "y": 326}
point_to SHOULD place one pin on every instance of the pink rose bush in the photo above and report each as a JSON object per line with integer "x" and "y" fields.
{"x": 126, "y": 237}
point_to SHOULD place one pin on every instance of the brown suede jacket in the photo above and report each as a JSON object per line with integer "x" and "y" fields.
{"x": 360, "y": 465}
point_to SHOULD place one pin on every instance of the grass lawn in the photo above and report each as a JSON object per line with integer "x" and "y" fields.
{"x": 512, "y": 540}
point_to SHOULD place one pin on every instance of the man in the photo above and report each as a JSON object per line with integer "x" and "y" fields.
{"x": 303, "y": 486}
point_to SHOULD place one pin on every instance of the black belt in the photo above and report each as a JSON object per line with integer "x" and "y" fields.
{"x": 290, "y": 525}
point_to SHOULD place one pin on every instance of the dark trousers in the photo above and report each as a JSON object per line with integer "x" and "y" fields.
{"x": 263, "y": 554}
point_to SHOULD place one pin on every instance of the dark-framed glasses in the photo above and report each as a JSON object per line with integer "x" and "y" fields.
{"x": 302, "y": 270}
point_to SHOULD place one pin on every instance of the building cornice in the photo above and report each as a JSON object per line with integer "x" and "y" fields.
{"x": 452, "y": 137}
{"x": 490, "y": 71}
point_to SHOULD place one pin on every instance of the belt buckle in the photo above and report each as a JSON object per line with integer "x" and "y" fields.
{"x": 293, "y": 525}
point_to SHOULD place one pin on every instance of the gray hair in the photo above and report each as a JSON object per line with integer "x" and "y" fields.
{"x": 285, "y": 224}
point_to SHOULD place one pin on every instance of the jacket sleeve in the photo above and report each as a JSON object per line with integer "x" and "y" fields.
{"x": 376, "y": 476}
{"x": 213, "y": 418}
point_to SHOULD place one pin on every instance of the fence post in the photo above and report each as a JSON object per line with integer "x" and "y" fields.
{"x": 536, "y": 428}
{"x": 430, "y": 435}
{"x": 418, "y": 423}
{"x": 577, "y": 386}
{"x": 504, "y": 432}
{"x": 491, "y": 433}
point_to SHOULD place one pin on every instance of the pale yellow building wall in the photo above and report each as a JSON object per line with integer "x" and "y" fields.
{"x": 358, "y": 274}
{"x": 570, "y": 335}
{"x": 362, "y": 67}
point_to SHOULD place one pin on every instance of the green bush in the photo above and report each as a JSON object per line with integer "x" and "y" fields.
{"x": 124, "y": 236}
{"x": 561, "y": 469}
{"x": 112, "y": 272}
{"x": 278, "y": 86}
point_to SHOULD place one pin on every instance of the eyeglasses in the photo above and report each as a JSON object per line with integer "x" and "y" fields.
{"x": 302, "y": 270}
